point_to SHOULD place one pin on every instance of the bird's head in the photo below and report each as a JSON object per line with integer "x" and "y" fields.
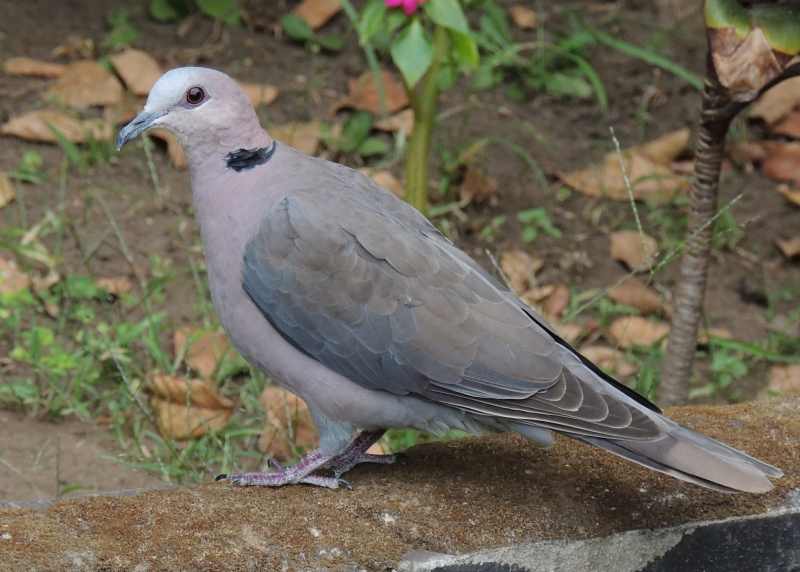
{"x": 202, "y": 107}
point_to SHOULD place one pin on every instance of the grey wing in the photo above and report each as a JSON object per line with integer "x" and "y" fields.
{"x": 368, "y": 287}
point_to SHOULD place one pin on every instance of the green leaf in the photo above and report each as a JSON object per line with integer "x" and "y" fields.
{"x": 448, "y": 14}
{"x": 330, "y": 42}
{"x": 727, "y": 14}
{"x": 412, "y": 53}
{"x": 465, "y": 50}
{"x": 373, "y": 146}
{"x": 296, "y": 28}
{"x": 167, "y": 10}
{"x": 371, "y": 20}
{"x": 80, "y": 288}
{"x": 355, "y": 131}
{"x": 558, "y": 83}
{"x": 224, "y": 10}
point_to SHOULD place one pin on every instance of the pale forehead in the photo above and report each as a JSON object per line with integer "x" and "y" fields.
{"x": 174, "y": 83}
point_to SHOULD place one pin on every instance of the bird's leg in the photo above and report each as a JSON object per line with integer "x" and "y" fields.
{"x": 297, "y": 473}
{"x": 356, "y": 453}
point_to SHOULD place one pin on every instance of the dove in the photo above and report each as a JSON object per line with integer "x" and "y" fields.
{"x": 350, "y": 298}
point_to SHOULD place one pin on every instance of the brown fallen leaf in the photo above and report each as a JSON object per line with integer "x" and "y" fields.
{"x": 317, "y": 13}
{"x": 84, "y": 84}
{"x": 75, "y": 47}
{"x": 42, "y": 284}
{"x": 789, "y": 126}
{"x": 187, "y": 408}
{"x": 569, "y": 332}
{"x": 476, "y": 187}
{"x": 32, "y": 126}
{"x": 636, "y": 294}
{"x": 124, "y": 111}
{"x": 364, "y": 94}
{"x": 386, "y": 180}
{"x": 520, "y": 269}
{"x": 32, "y": 67}
{"x": 179, "y": 421}
{"x": 117, "y": 285}
{"x": 554, "y": 305}
{"x": 523, "y": 17}
{"x": 12, "y": 279}
{"x": 534, "y": 296}
{"x": 782, "y": 162}
{"x": 783, "y": 380}
{"x": 203, "y": 350}
{"x": 138, "y": 69}
{"x": 630, "y": 331}
{"x": 402, "y": 122}
{"x": 792, "y": 194}
{"x": 704, "y": 335}
{"x": 259, "y": 93}
{"x": 302, "y": 136}
{"x": 637, "y": 251}
{"x": 610, "y": 359}
{"x": 7, "y": 192}
{"x": 197, "y": 392}
{"x": 790, "y": 247}
{"x": 288, "y": 426}
{"x": 776, "y": 103}
{"x": 648, "y": 167}
{"x": 177, "y": 156}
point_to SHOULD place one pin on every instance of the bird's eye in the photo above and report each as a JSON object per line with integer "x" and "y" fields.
{"x": 195, "y": 95}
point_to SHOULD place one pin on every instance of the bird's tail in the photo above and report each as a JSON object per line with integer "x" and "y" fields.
{"x": 692, "y": 457}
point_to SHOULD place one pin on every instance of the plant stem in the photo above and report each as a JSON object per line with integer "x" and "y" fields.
{"x": 424, "y": 100}
{"x": 717, "y": 113}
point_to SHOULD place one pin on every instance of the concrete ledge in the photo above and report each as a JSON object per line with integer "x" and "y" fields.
{"x": 454, "y": 498}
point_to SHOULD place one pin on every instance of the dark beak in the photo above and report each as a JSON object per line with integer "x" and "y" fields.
{"x": 141, "y": 123}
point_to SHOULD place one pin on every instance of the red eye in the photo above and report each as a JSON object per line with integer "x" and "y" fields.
{"x": 195, "y": 95}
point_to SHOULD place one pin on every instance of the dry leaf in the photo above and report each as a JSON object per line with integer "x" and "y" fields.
{"x": 743, "y": 65}
{"x": 782, "y": 162}
{"x": 790, "y": 247}
{"x": 476, "y": 187}
{"x": 535, "y": 295}
{"x": 122, "y": 112}
{"x": 609, "y": 359}
{"x": 637, "y": 251}
{"x": 316, "y": 13}
{"x": 364, "y": 94}
{"x": 7, "y": 193}
{"x": 523, "y": 17}
{"x": 555, "y": 304}
{"x": 402, "y": 122}
{"x": 174, "y": 149}
{"x": 178, "y": 421}
{"x": 570, "y": 332}
{"x": 117, "y": 285}
{"x": 202, "y": 350}
{"x": 704, "y": 335}
{"x": 789, "y": 126}
{"x": 386, "y": 180}
{"x": 783, "y": 380}
{"x": 520, "y": 269}
{"x": 84, "y": 84}
{"x": 42, "y": 284}
{"x": 288, "y": 423}
{"x": 196, "y": 392}
{"x": 75, "y": 47}
{"x": 137, "y": 69}
{"x": 648, "y": 167}
{"x": 302, "y": 136}
{"x": 12, "y": 279}
{"x": 790, "y": 193}
{"x": 776, "y": 103}
{"x": 259, "y": 93}
{"x": 32, "y": 67}
{"x": 630, "y": 331}
{"x": 32, "y": 126}
{"x": 636, "y": 294}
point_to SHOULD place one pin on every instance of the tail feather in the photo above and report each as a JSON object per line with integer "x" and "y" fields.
{"x": 692, "y": 457}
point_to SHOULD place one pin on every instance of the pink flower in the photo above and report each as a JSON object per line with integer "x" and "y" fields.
{"x": 409, "y": 6}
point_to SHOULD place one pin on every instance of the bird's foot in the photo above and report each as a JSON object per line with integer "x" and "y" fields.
{"x": 340, "y": 465}
{"x": 299, "y": 473}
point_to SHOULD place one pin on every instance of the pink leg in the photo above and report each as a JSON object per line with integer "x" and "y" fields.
{"x": 356, "y": 453}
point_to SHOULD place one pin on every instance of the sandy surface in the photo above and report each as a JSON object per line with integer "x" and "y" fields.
{"x": 450, "y": 498}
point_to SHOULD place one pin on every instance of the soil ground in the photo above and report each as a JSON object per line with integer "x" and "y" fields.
{"x": 560, "y": 133}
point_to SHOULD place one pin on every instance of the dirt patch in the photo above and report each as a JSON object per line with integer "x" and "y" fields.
{"x": 41, "y": 460}
{"x": 450, "y": 498}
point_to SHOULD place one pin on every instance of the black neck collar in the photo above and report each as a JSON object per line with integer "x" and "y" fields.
{"x": 243, "y": 159}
